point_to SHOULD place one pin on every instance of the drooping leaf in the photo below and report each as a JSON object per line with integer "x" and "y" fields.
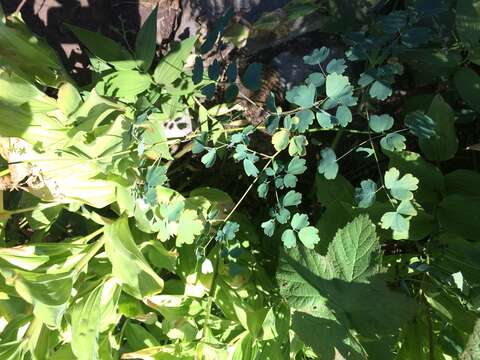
{"x": 366, "y": 193}
{"x": 128, "y": 264}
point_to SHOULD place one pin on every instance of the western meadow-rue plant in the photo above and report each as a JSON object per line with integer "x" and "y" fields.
{"x": 343, "y": 224}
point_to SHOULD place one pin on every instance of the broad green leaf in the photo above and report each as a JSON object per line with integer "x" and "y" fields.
{"x": 146, "y": 41}
{"x": 444, "y": 145}
{"x": 68, "y": 99}
{"x": 16, "y": 91}
{"x": 139, "y": 338}
{"x": 281, "y": 139}
{"x": 155, "y": 140}
{"x": 380, "y": 123}
{"x": 252, "y": 78}
{"x": 124, "y": 84}
{"x": 48, "y": 293}
{"x": 128, "y": 264}
{"x": 104, "y": 48}
{"x": 171, "y": 65}
{"x": 353, "y": 249}
{"x": 467, "y": 83}
{"x": 464, "y": 182}
{"x": 328, "y": 165}
{"x": 303, "y": 96}
{"x": 86, "y": 325}
{"x": 33, "y": 57}
{"x": 366, "y": 193}
{"x": 460, "y": 214}
{"x": 189, "y": 226}
{"x": 468, "y": 22}
{"x": 308, "y": 235}
{"x": 400, "y": 188}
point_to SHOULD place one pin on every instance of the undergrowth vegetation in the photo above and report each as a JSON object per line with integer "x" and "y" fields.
{"x": 343, "y": 224}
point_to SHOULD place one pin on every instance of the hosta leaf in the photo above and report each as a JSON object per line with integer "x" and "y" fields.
{"x": 303, "y": 96}
{"x": 393, "y": 142}
{"x": 380, "y": 123}
{"x": 416, "y": 36}
{"x": 68, "y": 98}
{"x": 317, "y": 56}
{"x": 467, "y": 83}
{"x": 146, "y": 41}
{"x": 444, "y": 144}
{"x": 128, "y": 264}
{"x": 365, "y": 195}
{"x": 124, "y": 84}
{"x": 328, "y": 165}
{"x": 86, "y": 326}
{"x": 309, "y": 236}
{"x": 460, "y": 214}
{"x": 400, "y": 188}
{"x": 468, "y": 22}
